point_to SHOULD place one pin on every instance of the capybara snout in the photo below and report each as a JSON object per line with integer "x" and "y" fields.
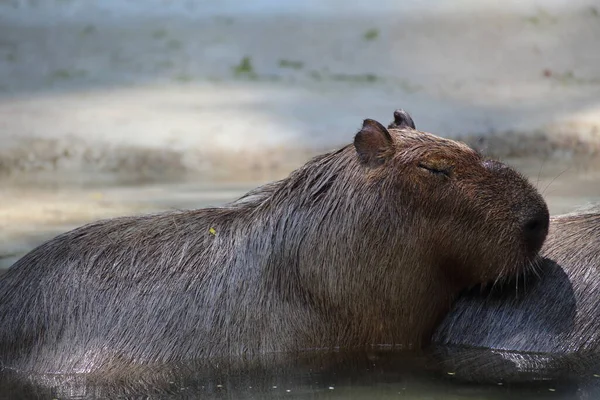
{"x": 530, "y": 210}
{"x": 535, "y": 228}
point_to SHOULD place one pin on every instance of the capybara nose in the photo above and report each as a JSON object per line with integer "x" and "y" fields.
{"x": 535, "y": 228}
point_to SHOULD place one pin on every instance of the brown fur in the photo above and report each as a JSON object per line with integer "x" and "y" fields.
{"x": 362, "y": 246}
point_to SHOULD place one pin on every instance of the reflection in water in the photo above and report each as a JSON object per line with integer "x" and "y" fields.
{"x": 448, "y": 373}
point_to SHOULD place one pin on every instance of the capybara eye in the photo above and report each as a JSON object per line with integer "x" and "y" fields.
{"x": 437, "y": 170}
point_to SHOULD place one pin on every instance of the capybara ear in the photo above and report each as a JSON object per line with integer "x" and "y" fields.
{"x": 373, "y": 143}
{"x": 402, "y": 119}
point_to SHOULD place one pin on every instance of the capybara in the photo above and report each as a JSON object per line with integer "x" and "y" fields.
{"x": 545, "y": 327}
{"x": 555, "y": 312}
{"x": 366, "y": 245}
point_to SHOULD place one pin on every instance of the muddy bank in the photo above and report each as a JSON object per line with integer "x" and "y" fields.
{"x": 112, "y": 91}
{"x": 250, "y": 148}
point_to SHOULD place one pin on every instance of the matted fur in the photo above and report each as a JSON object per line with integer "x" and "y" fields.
{"x": 347, "y": 251}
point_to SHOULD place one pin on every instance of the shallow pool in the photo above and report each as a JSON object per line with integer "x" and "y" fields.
{"x": 437, "y": 374}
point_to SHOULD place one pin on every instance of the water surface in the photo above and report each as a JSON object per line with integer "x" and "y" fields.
{"x": 437, "y": 374}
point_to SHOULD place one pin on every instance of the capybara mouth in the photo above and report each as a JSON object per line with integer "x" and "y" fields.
{"x": 514, "y": 280}
{"x": 525, "y": 263}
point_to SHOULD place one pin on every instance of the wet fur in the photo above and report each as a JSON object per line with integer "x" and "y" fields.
{"x": 340, "y": 253}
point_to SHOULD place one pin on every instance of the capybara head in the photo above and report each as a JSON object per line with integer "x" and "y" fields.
{"x": 474, "y": 218}
{"x": 498, "y": 207}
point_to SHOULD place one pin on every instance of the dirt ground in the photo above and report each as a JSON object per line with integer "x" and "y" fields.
{"x": 127, "y": 91}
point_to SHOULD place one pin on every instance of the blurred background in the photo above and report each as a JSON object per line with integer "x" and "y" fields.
{"x": 115, "y": 107}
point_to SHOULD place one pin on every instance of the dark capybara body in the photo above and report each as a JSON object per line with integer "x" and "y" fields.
{"x": 362, "y": 246}
{"x": 557, "y": 312}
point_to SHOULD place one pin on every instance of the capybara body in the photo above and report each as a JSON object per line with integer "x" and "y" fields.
{"x": 366, "y": 245}
{"x": 557, "y": 312}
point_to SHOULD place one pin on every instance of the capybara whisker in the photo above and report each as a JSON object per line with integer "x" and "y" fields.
{"x": 553, "y": 179}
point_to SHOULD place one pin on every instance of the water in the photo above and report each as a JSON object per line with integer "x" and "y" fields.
{"x": 377, "y": 374}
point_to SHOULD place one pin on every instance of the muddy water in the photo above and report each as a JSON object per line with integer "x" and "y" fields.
{"x": 377, "y": 374}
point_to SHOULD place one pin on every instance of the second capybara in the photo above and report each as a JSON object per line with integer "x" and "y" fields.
{"x": 366, "y": 245}
{"x": 555, "y": 312}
